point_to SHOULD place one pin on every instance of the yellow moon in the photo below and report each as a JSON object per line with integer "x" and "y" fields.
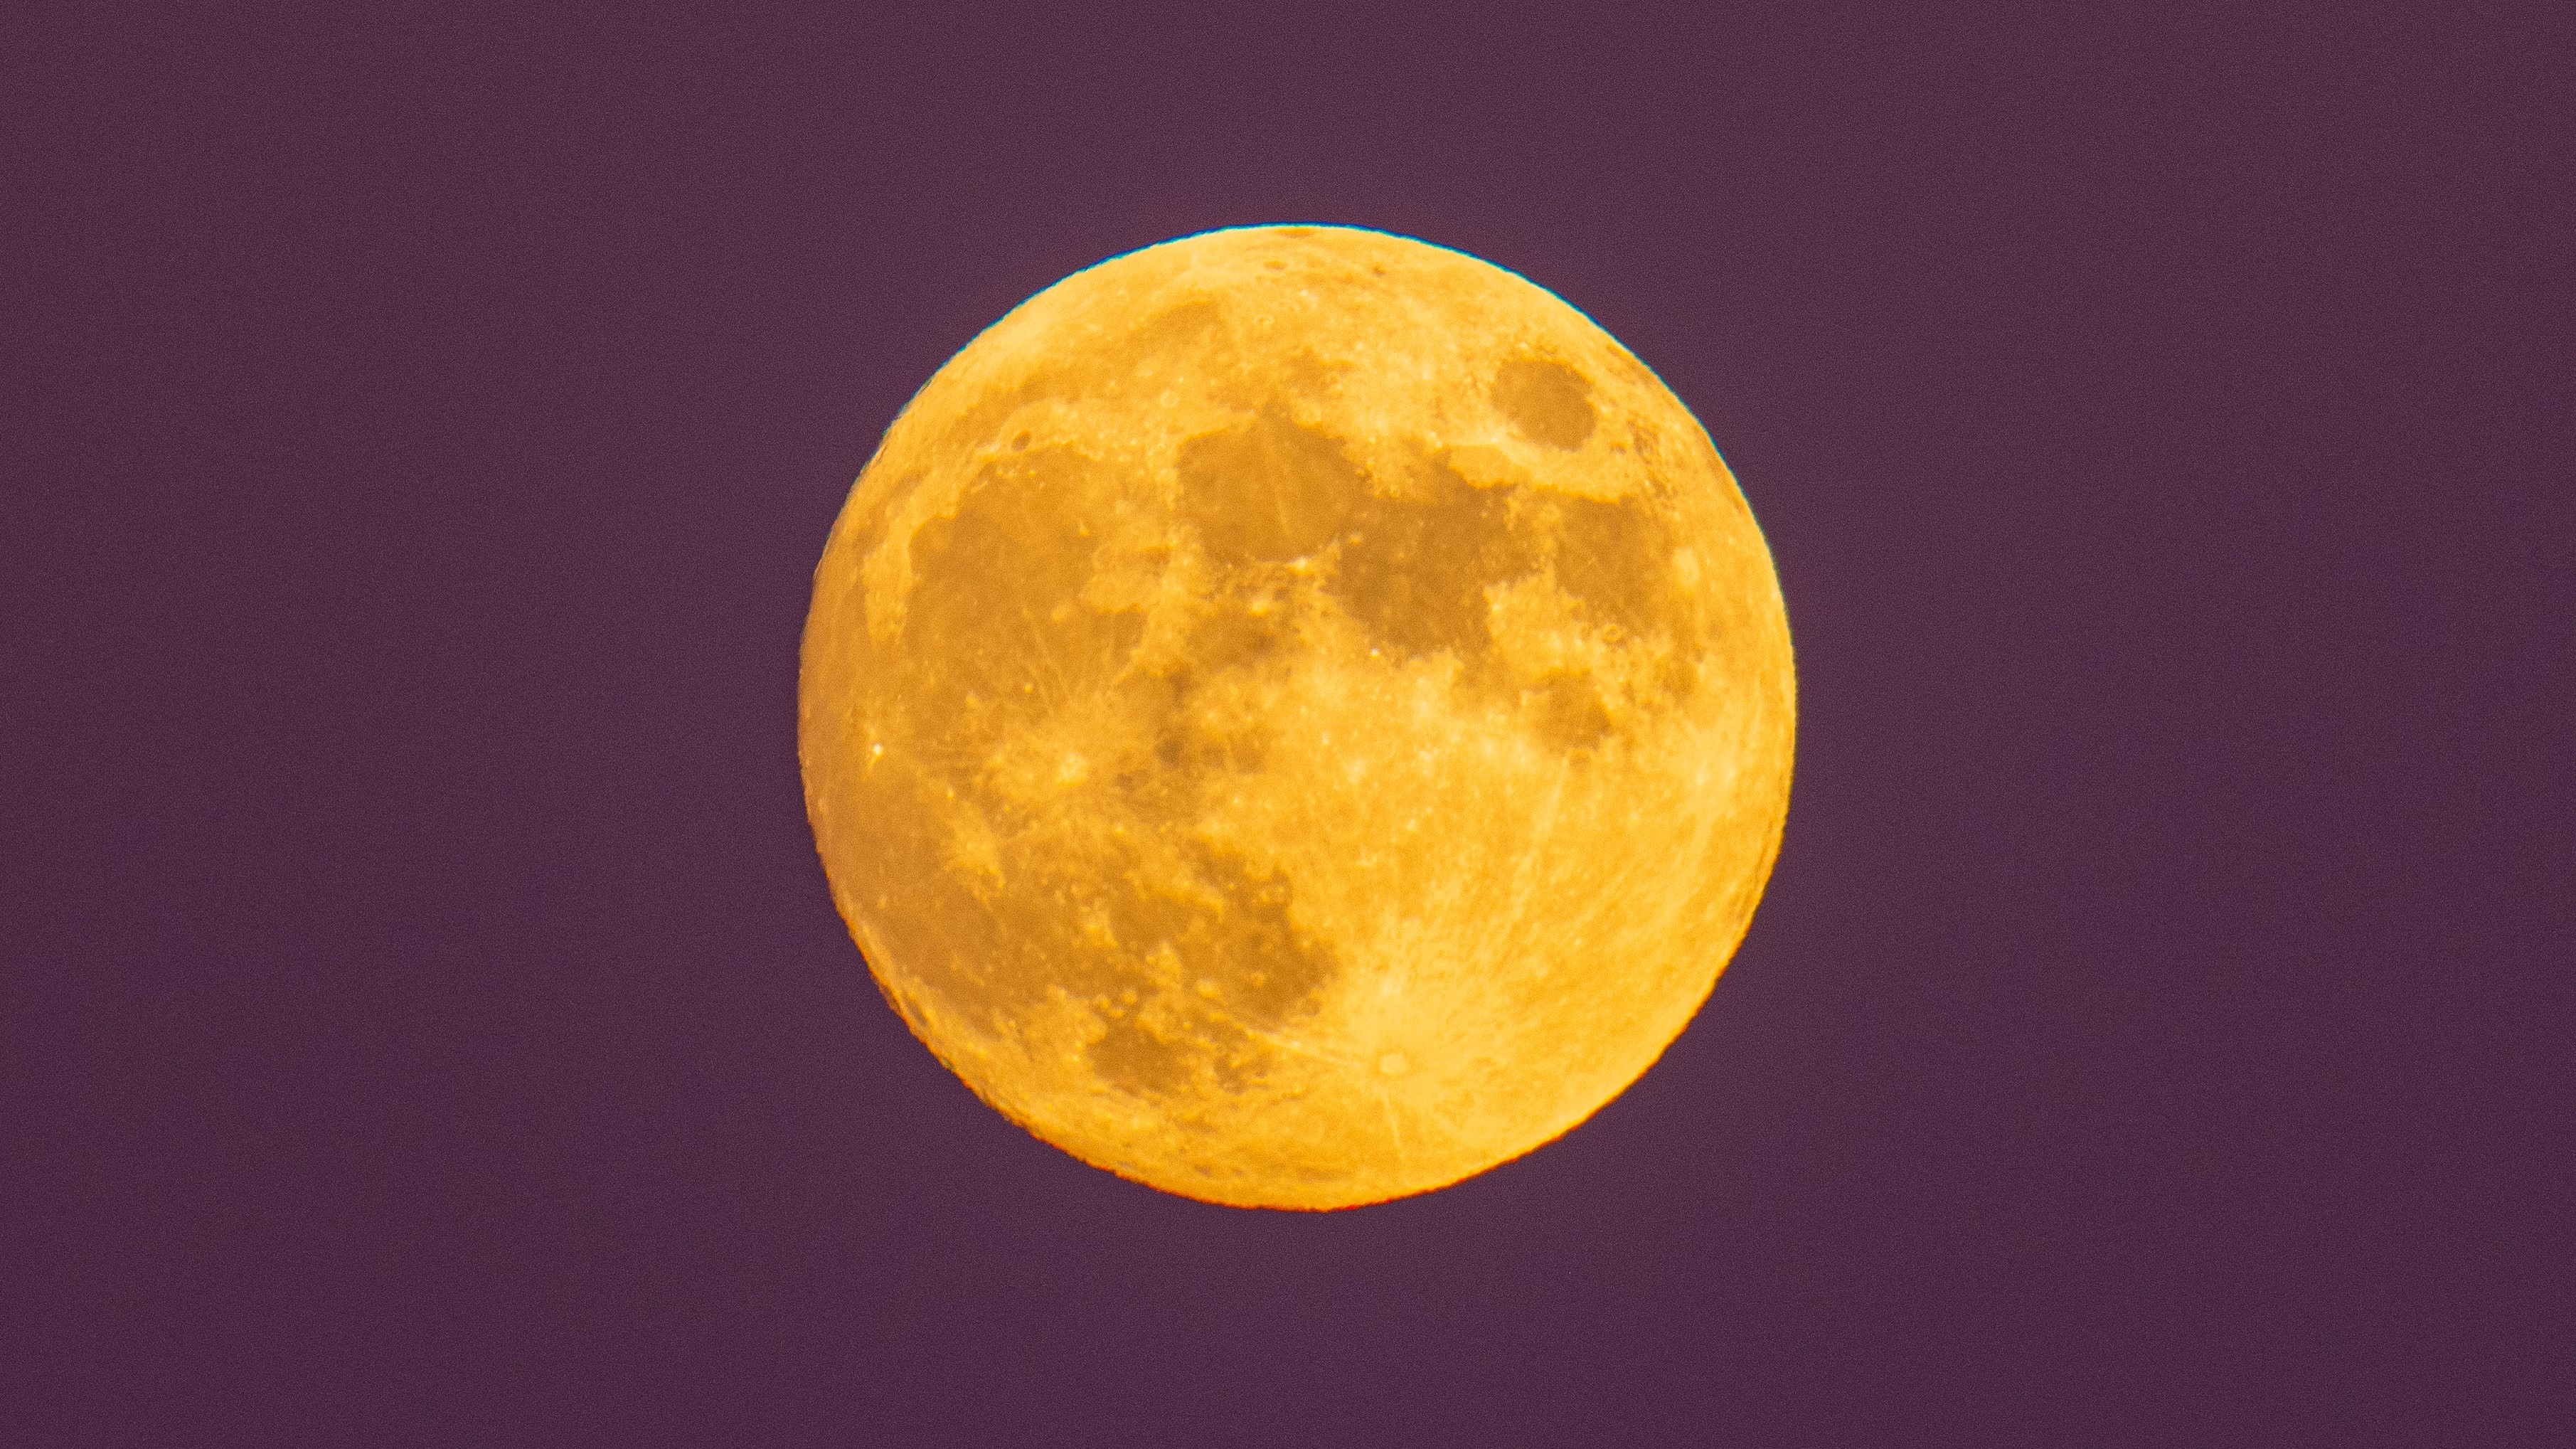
{"x": 1296, "y": 716}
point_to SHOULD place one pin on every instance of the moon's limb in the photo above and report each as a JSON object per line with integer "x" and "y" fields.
{"x": 1296, "y": 716}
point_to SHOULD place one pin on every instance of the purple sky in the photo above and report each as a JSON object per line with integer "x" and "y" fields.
{"x": 422, "y": 1019}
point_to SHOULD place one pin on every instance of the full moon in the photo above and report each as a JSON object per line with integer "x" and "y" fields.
{"x": 1296, "y": 716}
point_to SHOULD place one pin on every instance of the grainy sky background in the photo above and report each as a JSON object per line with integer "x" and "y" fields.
{"x": 424, "y": 1019}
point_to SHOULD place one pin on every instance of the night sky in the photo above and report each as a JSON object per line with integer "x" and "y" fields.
{"x": 423, "y": 1021}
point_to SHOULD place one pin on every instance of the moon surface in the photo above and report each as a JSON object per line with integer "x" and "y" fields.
{"x": 1296, "y": 716}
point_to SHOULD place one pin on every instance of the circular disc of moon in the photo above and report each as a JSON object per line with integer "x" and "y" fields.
{"x": 1296, "y": 716}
